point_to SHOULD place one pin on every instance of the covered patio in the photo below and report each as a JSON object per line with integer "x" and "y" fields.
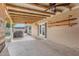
{"x": 39, "y": 29}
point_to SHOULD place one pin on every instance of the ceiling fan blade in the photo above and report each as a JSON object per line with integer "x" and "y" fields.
{"x": 51, "y": 4}
{"x": 59, "y": 10}
{"x": 64, "y": 4}
{"x": 56, "y": 10}
{"x": 52, "y": 7}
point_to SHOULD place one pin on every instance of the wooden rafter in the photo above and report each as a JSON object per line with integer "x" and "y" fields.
{"x": 11, "y": 7}
{"x": 63, "y": 24}
{"x": 25, "y": 16}
{"x": 15, "y": 15}
{"x": 25, "y": 19}
{"x": 39, "y": 5}
{"x": 19, "y": 20}
{"x": 26, "y": 13}
{"x": 34, "y": 18}
{"x": 72, "y": 19}
{"x": 18, "y": 14}
{"x": 43, "y": 6}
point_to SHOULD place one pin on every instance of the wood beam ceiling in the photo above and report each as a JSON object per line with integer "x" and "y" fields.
{"x": 26, "y": 13}
{"x": 24, "y": 20}
{"x": 39, "y": 5}
{"x": 26, "y": 16}
{"x": 64, "y": 24}
{"x": 15, "y": 15}
{"x": 31, "y": 18}
{"x": 72, "y": 19}
{"x": 17, "y": 21}
{"x": 20, "y": 14}
{"x": 45, "y": 7}
{"x": 14, "y": 7}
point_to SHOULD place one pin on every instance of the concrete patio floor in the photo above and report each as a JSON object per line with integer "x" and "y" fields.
{"x": 38, "y": 48}
{"x": 25, "y": 38}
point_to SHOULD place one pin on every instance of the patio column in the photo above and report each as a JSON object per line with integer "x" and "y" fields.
{"x": 11, "y": 23}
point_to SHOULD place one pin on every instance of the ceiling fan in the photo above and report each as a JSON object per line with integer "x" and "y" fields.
{"x": 53, "y": 9}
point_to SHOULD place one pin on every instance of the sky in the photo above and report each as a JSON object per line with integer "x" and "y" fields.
{"x": 20, "y": 25}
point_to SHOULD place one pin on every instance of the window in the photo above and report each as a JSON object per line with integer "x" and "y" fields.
{"x": 43, "y": 29}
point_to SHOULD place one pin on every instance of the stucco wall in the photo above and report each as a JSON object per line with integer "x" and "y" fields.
{"x": 65, "y": 35}
{"x": 68, "y": 36}
{"x": 34, "y": 30}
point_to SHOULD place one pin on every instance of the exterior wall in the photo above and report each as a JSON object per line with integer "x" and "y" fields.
{"x": 34, "y": 30}
{"x": 68, "y": 36}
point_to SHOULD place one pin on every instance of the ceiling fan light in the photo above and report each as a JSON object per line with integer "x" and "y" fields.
{"x": 52, "y": 8}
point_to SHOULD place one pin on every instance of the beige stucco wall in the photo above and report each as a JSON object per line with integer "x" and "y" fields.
{"x": 65, "y": 35}
{"x": 68, "y": 36}
{"x": 34, "y": 30}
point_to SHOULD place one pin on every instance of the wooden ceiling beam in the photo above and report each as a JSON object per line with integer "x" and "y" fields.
{"x": 14, "y": 7}
{"x": 26, "y": 13}
{"x": 64, "y": 24}
{"x": 17, "y": 21}
{"x": 29, "y": 22}
{"x": 25, "y": 16}
{"x": 16, "y": 14}
{"x": 72, "y": 19}
{"x": 39, "y": 5}
{"x": 24, "y": 21}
